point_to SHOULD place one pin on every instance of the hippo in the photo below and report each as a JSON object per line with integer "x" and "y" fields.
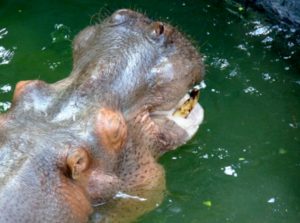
{"x": 85, "y": 149}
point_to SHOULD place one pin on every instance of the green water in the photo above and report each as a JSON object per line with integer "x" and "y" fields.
{"x": 244, "y": 163}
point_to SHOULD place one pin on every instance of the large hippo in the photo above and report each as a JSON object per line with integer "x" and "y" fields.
{"x": 92, "y": 140}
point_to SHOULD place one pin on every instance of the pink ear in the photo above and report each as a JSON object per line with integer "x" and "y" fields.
{"x": 78, "y": 161}
{"x": 111, "y": 129}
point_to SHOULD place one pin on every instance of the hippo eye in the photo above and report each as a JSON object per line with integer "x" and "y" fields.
{"x": 161, "y": 29}
{"x": 157, "y": 29}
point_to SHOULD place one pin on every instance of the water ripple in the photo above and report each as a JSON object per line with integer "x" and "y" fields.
{"x": 5, "y": 55}
{"x": 252, "y": 91}
{"x": 61, "y": 33}
{"x": 260, "y": 30}
{"x": 3, "y": 32}
{"x": 220, "y": 63}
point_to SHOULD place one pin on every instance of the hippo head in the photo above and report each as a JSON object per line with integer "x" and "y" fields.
{"x": 68, "y": 146}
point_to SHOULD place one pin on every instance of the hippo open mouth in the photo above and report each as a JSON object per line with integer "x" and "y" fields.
{"x": 188, "y": 113}
{"x": 69, "y": 146}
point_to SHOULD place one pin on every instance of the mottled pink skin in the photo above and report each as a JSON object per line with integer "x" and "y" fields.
{"x": 67, "y": 146}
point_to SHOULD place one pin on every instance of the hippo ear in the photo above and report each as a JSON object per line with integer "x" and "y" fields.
{"x": 111, "y": 129}
{"x": 78, "y": 161}
{"x": 19, "y": 88}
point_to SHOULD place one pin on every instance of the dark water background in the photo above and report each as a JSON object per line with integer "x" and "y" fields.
{"x": 244, "y": 163}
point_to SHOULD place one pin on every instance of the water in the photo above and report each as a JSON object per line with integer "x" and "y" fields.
{"x": 244, "y": 163}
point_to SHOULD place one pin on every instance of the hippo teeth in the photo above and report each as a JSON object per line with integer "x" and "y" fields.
{"x": 187, "y": 103}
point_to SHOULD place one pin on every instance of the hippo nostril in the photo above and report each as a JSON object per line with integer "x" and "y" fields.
{"x": 119, "y": 16}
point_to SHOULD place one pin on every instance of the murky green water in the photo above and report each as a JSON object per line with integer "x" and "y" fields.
{"x": 244, "y": 163}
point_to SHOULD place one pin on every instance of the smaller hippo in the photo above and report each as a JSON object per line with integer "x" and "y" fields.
{"x": 85, "y": 148}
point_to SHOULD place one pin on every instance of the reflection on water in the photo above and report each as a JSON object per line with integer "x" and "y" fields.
{"x": 4, "y": 106}
{"x": 229, "y": 170}
{"x": 5, "y": 88}
{"x": 5, "y": 55}
{"x": 260, "y": 30}
{"x": 60, "y": 33}
{"x": 3, "y": 32}
{"x": 244, "y": 163}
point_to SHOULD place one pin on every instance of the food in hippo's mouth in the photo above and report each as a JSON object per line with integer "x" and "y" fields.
{"x": 185, "y": 109}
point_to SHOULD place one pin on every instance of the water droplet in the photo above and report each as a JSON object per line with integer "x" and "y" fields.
{"x": 53, "y": 65}
{"x": 290, "y": 44}
{"x": 228, "y": 170}
{"x": 220, "y": 63}
{"x": 293, "y": 125}
{"x": 205, "y": 156}
{"x": 233, "y": 73}
{"x": 202, "y": 85}
{"x": 175, "y": 209}
{"x": 251, "y": 90}
{"x": 268, "y": 39}
{"x": 271, "y": 200}
{"x": 207, "y": 203}
{"x": 5, "y": 88}
{"x": 4, "y": 106}
{"x": 128, "y": 196}
{"x": 215, "y": 91}
{"x": 60, "y": 33}
{"x": 282, "y": 151}
{"x": 266, "y": 76}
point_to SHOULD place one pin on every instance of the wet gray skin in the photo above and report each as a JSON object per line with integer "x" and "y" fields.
{"x": 93, "y": 138}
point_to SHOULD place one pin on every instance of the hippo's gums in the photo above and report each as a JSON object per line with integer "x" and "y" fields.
{"x": 92, "y": 139}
